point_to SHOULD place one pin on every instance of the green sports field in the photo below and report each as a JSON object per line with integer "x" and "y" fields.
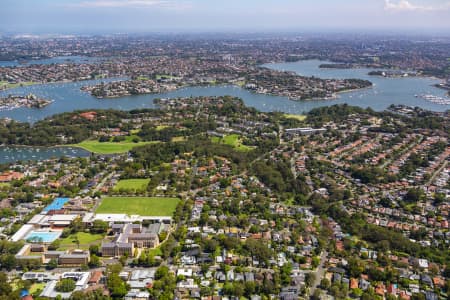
{"x": 138, "y": 185}
{"x": 144, "y": 206}
{"x": 297, "y": 117}
{"x": 109, "y": 147}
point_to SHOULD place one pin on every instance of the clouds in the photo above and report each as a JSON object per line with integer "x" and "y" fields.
{"x": 405, "y": 5}
{"x": 222, "y": 15}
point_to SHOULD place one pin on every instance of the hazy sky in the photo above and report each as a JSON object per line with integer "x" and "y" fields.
{"x": 76, "y": 16}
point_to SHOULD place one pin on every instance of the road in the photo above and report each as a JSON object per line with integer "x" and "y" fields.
{"x": 436, "y": 173}
{"x": 102, "y": 183}
{"x": 319, "y": 273}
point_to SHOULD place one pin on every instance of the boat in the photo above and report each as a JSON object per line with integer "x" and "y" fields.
{"x": 436, "y": 99}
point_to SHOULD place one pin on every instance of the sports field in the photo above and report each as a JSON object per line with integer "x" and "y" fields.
{"x": 137, "y": 185}
{"x": 144, "y": 206}
{"x": 234, "y": 140}
{"x": 109, "y": 147}
{"x": 298, "y": 117}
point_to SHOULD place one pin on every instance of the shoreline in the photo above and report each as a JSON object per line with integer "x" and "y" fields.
{"x": 59, "y": 82}
{"x": 335, "y": 95}
{"x": 41, "y": 147}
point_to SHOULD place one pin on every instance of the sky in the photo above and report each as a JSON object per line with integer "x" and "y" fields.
{"x": 141, "y": 16}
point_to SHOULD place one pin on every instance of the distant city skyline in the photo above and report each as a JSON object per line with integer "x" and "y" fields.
{"x": 137, "y": 16}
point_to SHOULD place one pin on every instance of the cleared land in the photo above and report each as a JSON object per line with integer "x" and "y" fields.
{"x": 109, "y": 147}
{"x": 297, "y": 117}
{"x": 132, "y": 185}
{"x": 233, "y": 140}
{"x": 144, "y": 206}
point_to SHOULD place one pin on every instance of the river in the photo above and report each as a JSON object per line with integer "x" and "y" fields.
{"x": 386, "y": 91}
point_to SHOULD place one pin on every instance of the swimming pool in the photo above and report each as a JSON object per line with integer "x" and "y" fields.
{"x": 43, "y": 236}
{"x": 58, "y": 203}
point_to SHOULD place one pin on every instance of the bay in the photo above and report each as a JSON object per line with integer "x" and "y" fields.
{"x": 53, "y": 60}
{"x": 9, "y": 154}
{"x": 68, "y": 97}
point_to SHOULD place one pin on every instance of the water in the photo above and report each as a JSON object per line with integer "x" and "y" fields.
{"x": 53, "y": 60}
{"x": 386, "y": 91}
{"x": 69, "y": 97}
{"x": 10, "y": 154}
{"x": 43, "y": 236}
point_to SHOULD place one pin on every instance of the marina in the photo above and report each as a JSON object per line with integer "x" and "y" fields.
{"x": 10, "y": 154}
{"x": 436, "y": 99}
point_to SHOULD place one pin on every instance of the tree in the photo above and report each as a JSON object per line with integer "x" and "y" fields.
{"x": 316, "y": 295}
{"x": 325, "y": 284}
{"x": 259, "y": 250}
{"x": 439, "y": 198}
{"x": 309, "y": 280}
{"x": 285, "y": 274}
{"x": 228, "y": 289}
{"x": 52, "y": 264}
{"x": 161, "y": 272}
{"x": 94, "y": 249}
{"x": 99, "y": 226}
{"x": 357, "y": 292}
{"x": 414, "y": 195}
{"x": 239, "y": 289}
{"x": 115, "y": 284}
{"x": 355, "y": 266}
{"x": 8, "y": 261}
{"x": 5, "y": 287}
{"x": 94, "y": 261}
{"x": 76, "y": 240}
{"x": 250, "y": 288}
{"x": 65, "y": 285}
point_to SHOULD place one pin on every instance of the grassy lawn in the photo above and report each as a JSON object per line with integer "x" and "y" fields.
{"x": 234, "y": 140}
{"x": 156, "y": 251}
{"x": 86, "y": 239}
{"x": 7, "y": 85}
{"x": 161, "y": 127}
{"x": 132, "y": 185}
{"x": 109, "y": 147}
{"x": 178, "y": 139}
{"x": 297, "y": 117}
{"x": 240, "y": 83}
{"x": 36, "y": 287}
{"x": 4, "y": 185}
{"x": 158, "y": 77}
{"x": 144, "y": 206}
